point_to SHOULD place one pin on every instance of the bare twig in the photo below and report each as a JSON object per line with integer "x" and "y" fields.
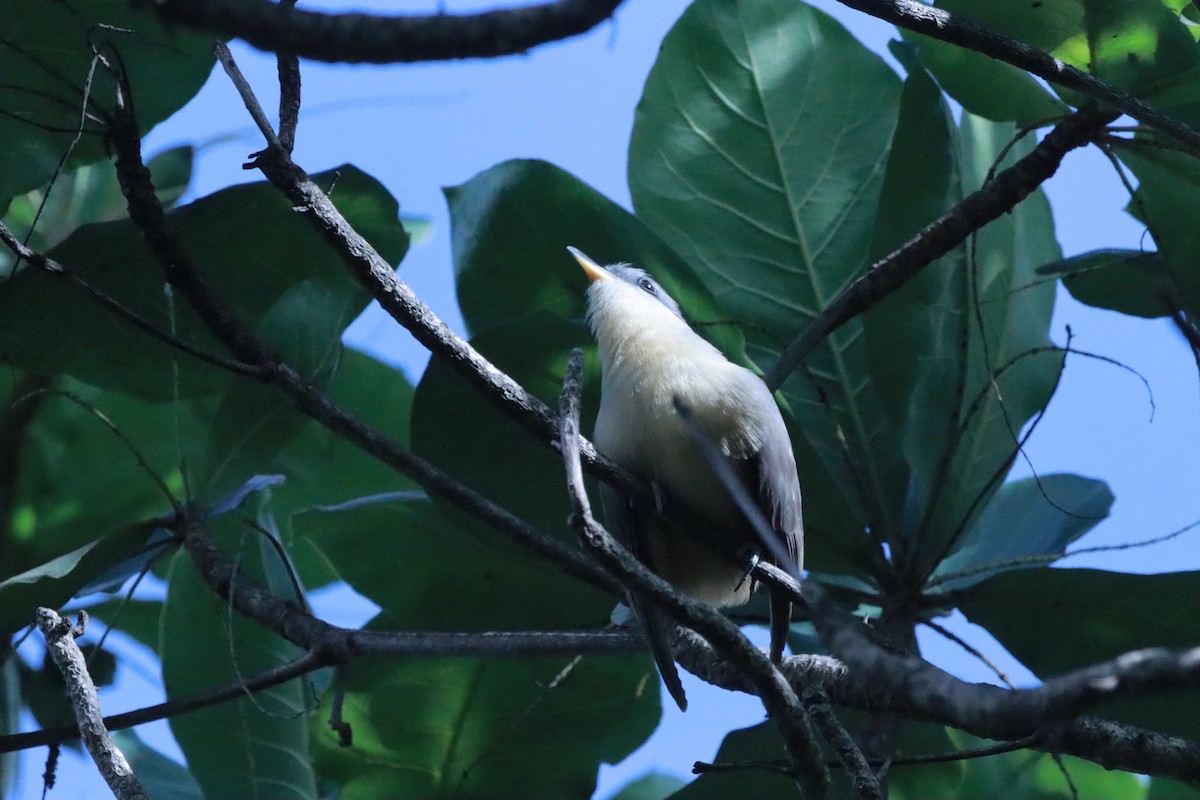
{"x": 850, "y": 757}
{"x": 943, "y": 234}
{"x": 375, "y": 39}
{"x": 81, "y": 691}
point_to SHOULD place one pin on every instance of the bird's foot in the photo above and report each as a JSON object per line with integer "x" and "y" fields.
{"x": 751, "y": 561}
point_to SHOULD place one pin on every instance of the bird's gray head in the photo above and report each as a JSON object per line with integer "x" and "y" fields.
{"x": 626, "y": 274}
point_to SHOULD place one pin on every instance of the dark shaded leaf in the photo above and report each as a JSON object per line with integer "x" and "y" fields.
{"x": 246, "y": 240}
{"x": 1057, "y": 620}
{"x": 1026, "y": 521}
{"x": 46, "y": 55}
{"x": 249, "y": 746}
{"x": 651, "y": 786}
{"x": 471, "y": 727}
{"x": 1128, "y": 281}
{"x": 984, "y": 86}
{"x": 161, "y": 776}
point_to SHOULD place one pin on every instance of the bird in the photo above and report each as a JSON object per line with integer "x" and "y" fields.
{"x": 653, "y": 363}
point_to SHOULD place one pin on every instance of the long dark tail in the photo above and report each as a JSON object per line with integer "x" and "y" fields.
{"x": 657, "y": 628}
{"x": 781, "y": 619}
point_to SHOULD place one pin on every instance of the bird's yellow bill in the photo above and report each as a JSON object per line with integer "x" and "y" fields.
{"x": 594, "y": 271}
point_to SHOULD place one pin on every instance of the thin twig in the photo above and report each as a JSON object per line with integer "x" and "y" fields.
{"x": 60, "y": 642}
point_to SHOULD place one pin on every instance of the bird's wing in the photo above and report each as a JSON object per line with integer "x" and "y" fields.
{"x": 773, "y": 469}
{"x": 621, "y": 520}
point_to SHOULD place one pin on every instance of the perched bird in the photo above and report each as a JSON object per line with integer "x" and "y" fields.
{"x": 651, "y": 359}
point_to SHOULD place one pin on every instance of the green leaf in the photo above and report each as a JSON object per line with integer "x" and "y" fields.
{"x": 651, "y": 786}
{"x": 138, "y": 619}
{"x": 432, "y": 727}
{"x": 1111, "y": 613}
{"x": 509, "y": 266}
{"x": 985, "y": 87}
{"x": 1166, "y": 789}
{"x": 56, "y": 581}
{"x": 1133, "y": 44}
{"x": 159, "y": 775}
{"x": 46, "y": 57}
{"x": 1026, "y": 522}
{"x": 10, "y": 717}
{"x": 762, "y": 164}
{"x": 1009, "y": 368}
{"x": 253, "y": 421}
{"x": 1128, "y": 281}
{"x": 1036, "y": 776}
{"x": 248, "y": 747}
{"x": 251, "y": 247}
{"x": 91, "y": 193}
{"x": 762, "y": 743}
{"x": 1168, "y": 185}
{"x": 915, "y": 336}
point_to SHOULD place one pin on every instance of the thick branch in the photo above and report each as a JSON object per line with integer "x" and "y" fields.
{"x": 940, "y": 24}
{"x": 993, "y": 200}
{"x": 81, "y": 691}
{"x": 1110, "y": 744}
{"x": 375, "y": 39}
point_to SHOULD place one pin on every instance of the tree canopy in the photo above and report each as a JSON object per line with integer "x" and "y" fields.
{"x": 178, "y": 403}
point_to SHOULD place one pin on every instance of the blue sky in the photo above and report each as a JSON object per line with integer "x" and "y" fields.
{"x": 419, "y": 128}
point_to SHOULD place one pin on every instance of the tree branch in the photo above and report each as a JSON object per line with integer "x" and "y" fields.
{"x": 375, "y": 39}
{"x": 223, "y": 322}
{"x": 937, "y": 23}
{"x": 993, "y": 200}
{"x": 81, "y": 691}
{"x": 1110, "y": 744}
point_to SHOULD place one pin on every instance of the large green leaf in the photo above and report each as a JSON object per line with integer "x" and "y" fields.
{"x": 253, "y": 421}
{"x": 56, "y": 581}
{"x": 252, "y": 746}
{"x": 78, "y": 479}
{"x": 1168, "y": 189}
{"x": 1029, "y": 519}
{"x": 160, "y": 776}
{"x": 651, "y": 786}
{"x": 915, "y": 336}
{"x": 47, "y": 52}
{"x": 250, "y": 246}
{"x": 1129, "y": 281}
{"x": 471, "y": 727}
{"x": 1037, "y": 776}
{"x": 758, "y": 153}
{"x": 464, "y": 433}
{"x": 91, "y": 193}
{"x": 1110, "y": 613}
{"x": 1134, "y": 44}
{"x": 511, "y": 225}
{"x": 1008, "y": 368}
{"x": 762, "y": 743}
{"x": 984, "y": 86}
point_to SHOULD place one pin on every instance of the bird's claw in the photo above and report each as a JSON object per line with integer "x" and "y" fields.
{"x": 751, "y": 563}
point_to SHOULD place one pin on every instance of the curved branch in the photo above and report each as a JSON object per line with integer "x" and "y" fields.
{"x": 375, "y": 39}
{"x": 942, "y": 235}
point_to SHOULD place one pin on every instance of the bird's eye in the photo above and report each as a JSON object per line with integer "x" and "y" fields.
{"x": 648, "y": 285}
